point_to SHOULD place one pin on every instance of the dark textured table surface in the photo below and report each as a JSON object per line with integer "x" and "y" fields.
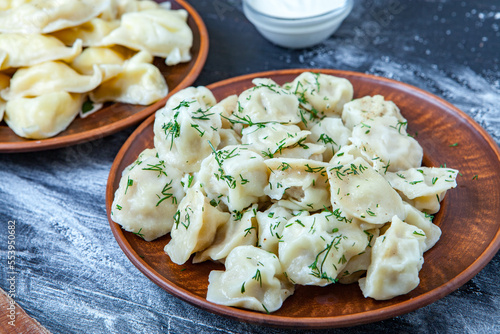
{"x": 72, "y": 275}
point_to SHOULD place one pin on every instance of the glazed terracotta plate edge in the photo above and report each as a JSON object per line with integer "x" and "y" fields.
{"x": 108, "y": 129}
{"x": 305, "y": 322}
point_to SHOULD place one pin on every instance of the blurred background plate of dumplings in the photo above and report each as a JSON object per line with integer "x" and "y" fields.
{"x": 62, "y": 60}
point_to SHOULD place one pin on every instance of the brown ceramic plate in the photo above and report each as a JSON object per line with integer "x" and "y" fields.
{"x": 468, "y": 216}
{"x": 117, "y": 116}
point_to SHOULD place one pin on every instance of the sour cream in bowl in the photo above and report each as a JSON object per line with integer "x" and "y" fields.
{"x": 296, "y": 23}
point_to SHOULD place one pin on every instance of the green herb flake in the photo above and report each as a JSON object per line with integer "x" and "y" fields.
{"x": 130, "y": 183}
{"x": 138, "y": 233}
{"x": 258, "y": 277}
{"x": 190, "y": 180}
{"x": 87, "y": 106}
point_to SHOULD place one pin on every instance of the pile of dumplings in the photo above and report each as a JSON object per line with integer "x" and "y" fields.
{"x": 59, "y": 59}
{"x": 286, "y": 184}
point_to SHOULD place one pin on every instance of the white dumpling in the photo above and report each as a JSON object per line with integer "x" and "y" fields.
{"x": 90, "y": 33}
{"x": 234, "y": 175}
{"x": 228, "y": 137}
{"x": 45, "y": 16}
{"x": 109, "y": 60}
{"x": 50, "y": 77}
{"x": 331, "y": 133}
{"x": 240, "y": 230}
{"x": 321, "y": 94}
{"x": 302, "y": 150}
{"x": 202, "y": 95}
{"x": 225, "y": 109}
{"x": 424, "y": 222}
{"x": 349, "y": 152}
{"x": 9, "y": 4}
{"x": 370, "y": 107}
{"x": 298, "y": 184}
{"x": 271, "y": 224}
{"x": 146, "y": 200}
{"x": 315, "y": 249}
{"x": 381, "y": 138}
{"x": 4, "y": 83}
{"x": 424, "y": 187}
{"x": 163, "y": 33}
{"x": 271, "y": 139}
{"x": 119, "y": 7}
{"x": 43, "y": 116}
{"x": 195, "y": 226}
{"x": 137, "y": 83}
{"x": 397, "y": 258}
{"x": 356, "y": 267}
{"x": 253, "y": 279}
{"x": 21, "y": 50}
{"x": 360, "y": 192}
{"x": 186, "y": 133}
{"x": 266, "y": 102}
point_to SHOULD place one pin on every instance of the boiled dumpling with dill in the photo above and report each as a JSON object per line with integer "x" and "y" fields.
{"x": 240, "y": 230}
{"x": 228, "y": 137}
{"x": 424, "y": 187}
{"x": 308, "y": 151}
{"x": 234, "y": 176}
{"x": 363, "y": 193}
{"x": 424, "y": 222}
{"x": 385, "y": 139}
{"x": 397, "y": 257}
{"x": 298, "y": 184}
{"x": 186, "y": 133}
{"x": 22, "y": 50}
{"x": 272, "y": 138}
{"x": 370, "y": 107}
{"x": 200, "y": 96}
{"x": 356, "y": 267}
{"x": 321, "y": 94}
{"x": 146, "y": 200}
{"x": 314, "y": 249}
{"x": 271, "y": 224}
{"x": 195, "y": 226}
{"x": 225, "y": 109}
{"x": 253, "y": 279}
{"x": 266, "y": 102}
{"x": 163, "y": 33}
{"x": 331, "y": 133}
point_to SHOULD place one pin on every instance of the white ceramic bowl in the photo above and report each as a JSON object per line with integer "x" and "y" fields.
{"x": 297, "y": 32}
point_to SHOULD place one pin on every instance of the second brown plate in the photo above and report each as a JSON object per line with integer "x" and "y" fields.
{"x": 117, "y": 116}
{"x": 469, "y": 221}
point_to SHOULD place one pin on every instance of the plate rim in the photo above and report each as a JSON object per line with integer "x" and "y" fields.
{"x": 35, "y": 145}
{"x": 305, "y": 322}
